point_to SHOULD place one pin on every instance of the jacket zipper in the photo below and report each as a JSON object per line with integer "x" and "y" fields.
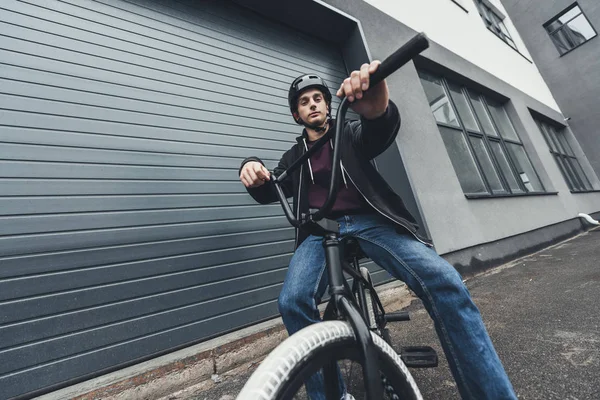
{"x": 298, "y": 206}
{"x": 385, "y": 215}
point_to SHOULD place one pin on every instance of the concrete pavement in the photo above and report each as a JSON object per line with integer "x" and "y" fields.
{"x": 542, "y": 312}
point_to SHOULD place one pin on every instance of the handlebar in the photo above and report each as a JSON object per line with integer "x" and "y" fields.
{"x": 403, "y": 55}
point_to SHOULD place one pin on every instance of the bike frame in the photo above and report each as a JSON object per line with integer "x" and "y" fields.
{"x": 358, "y": 290}
{"x": 316, "y": 224}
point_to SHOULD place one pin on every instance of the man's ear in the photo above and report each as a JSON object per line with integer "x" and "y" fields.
{"x": 296, "y": 116}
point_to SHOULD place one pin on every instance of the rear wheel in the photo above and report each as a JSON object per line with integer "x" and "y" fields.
{"x": 283, "y": 373}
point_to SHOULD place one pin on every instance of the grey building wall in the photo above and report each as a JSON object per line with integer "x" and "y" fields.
{"x": 454, "y": 222}
{"x": 573, "y": 78}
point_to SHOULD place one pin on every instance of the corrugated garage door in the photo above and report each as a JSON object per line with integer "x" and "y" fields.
{"x": 124, "y": 231}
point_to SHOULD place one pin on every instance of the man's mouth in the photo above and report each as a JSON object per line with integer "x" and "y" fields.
{"x": 314, "y": 114}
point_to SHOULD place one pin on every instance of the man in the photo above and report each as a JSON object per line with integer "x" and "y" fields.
{"x": 367, "y": 209}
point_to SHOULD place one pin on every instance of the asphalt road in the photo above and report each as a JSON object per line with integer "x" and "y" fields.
{"x": 542, "y": 313}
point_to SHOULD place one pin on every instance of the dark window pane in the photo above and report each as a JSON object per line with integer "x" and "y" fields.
{"x": 505, "y": 167}
{"x": 503, "y": 29}
{"x": 564, "y": 144}
{"x": 554, "y": 25}
{"x": 524, "y": 168}
{"x": 482, "y": 115}
{"x": 580, "y": 29}
{"x": 566, "y": 173}
{"x": 548, "y": 133}
{"x": 485, "y": 12}
{"x": 577, "y": 179}
{"x": 573, "y": 37}
{"x": 464, "y": 111}
{"x": 486, "y": 165}
{"x": 462, "y": 161}
{"x": 582, "y": 176}
{"x": 563, "y": 19}
{"x": 568, "y": 164}
{"x": 502, "y": 121}
{"x": 496, "y": 22}
{"x": 438, "y": 101}
{"x": 562, "y": 41}
{"x": 557, "y": 143}
{"x": 570, "y": 30}
{"x": 566, "y": 17}
{"x": 510, "y": 42}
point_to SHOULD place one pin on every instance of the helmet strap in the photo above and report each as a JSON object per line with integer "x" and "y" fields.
{"x": 320, "y": 129}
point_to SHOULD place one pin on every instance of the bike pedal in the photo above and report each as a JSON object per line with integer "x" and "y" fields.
{"x": 419, "y": 357}
{"x": 397, "y": 316}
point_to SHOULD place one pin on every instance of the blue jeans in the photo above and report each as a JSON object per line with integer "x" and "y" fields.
{"x": 476, "y": 368}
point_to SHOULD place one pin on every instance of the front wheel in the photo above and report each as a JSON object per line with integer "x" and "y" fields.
{"x": 282, "y": 374}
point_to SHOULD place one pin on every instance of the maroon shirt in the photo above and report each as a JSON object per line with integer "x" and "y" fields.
{"x": 349, "y": 200}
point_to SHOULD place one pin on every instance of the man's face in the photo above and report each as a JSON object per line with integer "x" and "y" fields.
{"x": 312, "y": 107}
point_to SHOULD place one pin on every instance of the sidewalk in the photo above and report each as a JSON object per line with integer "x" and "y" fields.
{"x": 541, "y": 312}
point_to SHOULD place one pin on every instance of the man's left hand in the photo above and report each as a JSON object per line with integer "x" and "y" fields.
{"x": 371, "y": 104}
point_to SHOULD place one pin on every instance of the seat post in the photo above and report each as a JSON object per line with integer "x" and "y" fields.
{"x": 333, "y": 260}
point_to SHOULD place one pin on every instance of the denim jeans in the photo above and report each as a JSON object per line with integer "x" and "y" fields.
{"x": 476, "y": 368}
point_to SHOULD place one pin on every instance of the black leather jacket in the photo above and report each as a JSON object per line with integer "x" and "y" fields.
{"x": 363, "y": 140}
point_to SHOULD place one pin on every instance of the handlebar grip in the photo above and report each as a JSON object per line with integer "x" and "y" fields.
{"x": 400, "y": 57}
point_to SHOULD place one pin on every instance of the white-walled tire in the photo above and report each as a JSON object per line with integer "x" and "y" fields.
{"x": 303, "y": 353}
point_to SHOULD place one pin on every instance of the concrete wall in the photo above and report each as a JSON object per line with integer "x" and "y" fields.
{"x": 455, "y": 222}
{"x": 573, "y": 78}
{"x": 465, "y": 34}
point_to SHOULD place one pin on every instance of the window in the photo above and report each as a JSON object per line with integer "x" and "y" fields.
{"x": 483, "y": 145}
{"x": 570, "y": 29}
{"x": 461, "y": 4}
{"x": 494, "y": 23}
{"x": 564, "y": 156}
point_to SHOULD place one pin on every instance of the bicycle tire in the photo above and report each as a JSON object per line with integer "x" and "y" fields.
{"x": 370, "y": 302}
{"x": 385, "y": 335}
{"x": 305, "y": 352}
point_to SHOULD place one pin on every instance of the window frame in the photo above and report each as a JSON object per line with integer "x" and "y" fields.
{"x": 559, "y": 15}
{"x": 570, "y": 174}
{"x": 487, "y": 139}
{"x": 495, "y": 25}
{"x": 461, "y": 5}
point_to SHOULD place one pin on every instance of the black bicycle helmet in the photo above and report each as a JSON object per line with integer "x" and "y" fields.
{"x": 302, "y": 83}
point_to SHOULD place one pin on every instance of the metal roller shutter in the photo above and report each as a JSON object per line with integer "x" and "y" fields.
{"x": 124, "y": 231}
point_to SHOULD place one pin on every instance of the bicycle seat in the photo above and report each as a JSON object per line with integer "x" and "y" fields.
{"x": 352, "y": 249}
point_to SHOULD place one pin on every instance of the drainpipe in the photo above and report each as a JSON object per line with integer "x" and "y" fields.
{"x": 589, "y": 219}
